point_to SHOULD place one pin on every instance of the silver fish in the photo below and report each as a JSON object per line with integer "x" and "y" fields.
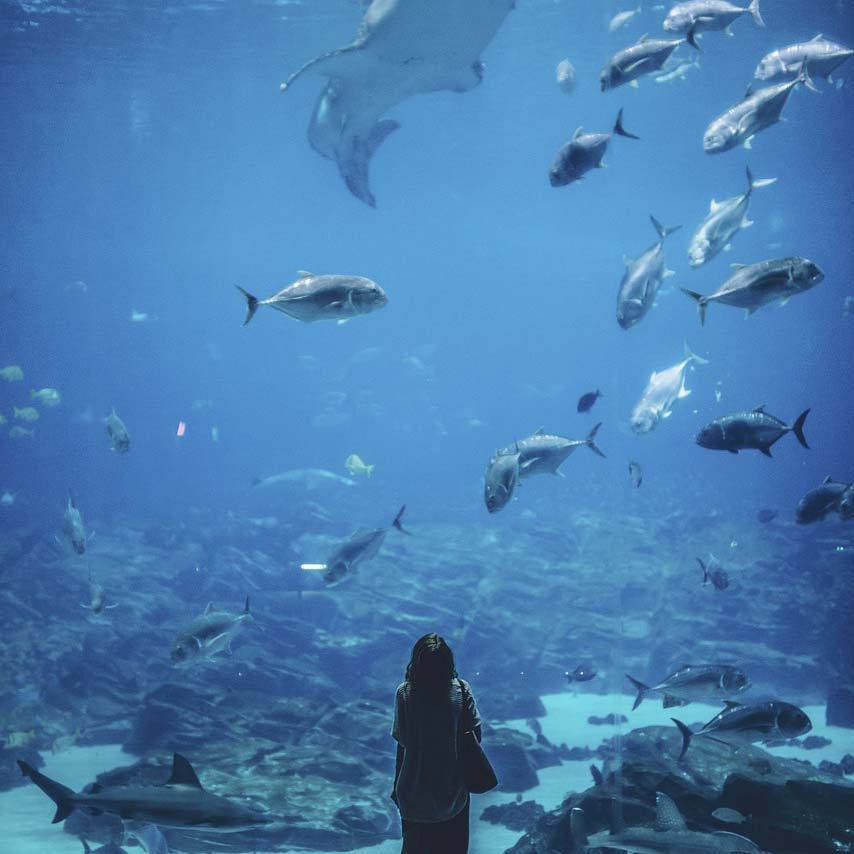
{"x": 585, "y": 151}
{"x": 694, "y": 683}
{"x": 674, "y": 69}
{"x": 754, "y": 113}
{"x": 645, "y": 56}
{"x": 755, "y": 285}
{"x": 622, "y": 18}
{"x": 500, "y": 480}
{"x": 820, "y": 56}
{"x": 544, "y": 453}
{"x": 826, "y": 498}
{"x": 208, "y": 634}
{"x": 747, "y": 724}
{"x": 72, "y": 525}
{"x": 709, "y": 15}
{"x": 635, "y": 474}
{"x": 313, "y": 297}
{"x": 722, "y": 223}
{"x": 565, "y": 76}
{"x": 662, "y": 391}
{"x": 118, "y": 433}
{"x": 642, "y": 279}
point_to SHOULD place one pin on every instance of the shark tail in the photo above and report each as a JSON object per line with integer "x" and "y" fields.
{"x": 398, "y": 521}
{"x": 620, "y": 130}
{"x": 251, "y": 304}
{"x": 590, "y": 440}
{"x": 642, "y": 690}
{"x": 753, "y": 8}
{"x": 61, "y": 795}
{"x": 687, "y": 735}
{"x": 798, "y": 428}
{"x": 662, "y": 230}
{"x": 705, "y": 571}
{"x": 701, "y": 301}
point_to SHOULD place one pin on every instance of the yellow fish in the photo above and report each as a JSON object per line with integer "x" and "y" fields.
{"x": 28, "y": 413}
{"x": 19, "y": 432}
{"x": 47, "y": 396}
{"x": 12, "y": 374}
{"x": 356, "y": 466}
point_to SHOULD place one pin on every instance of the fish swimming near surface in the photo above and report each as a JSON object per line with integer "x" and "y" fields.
{"x": 582, "y": 673}
{"x": 585, "y": 151}
{"x": 46, "y": 396}
{"x": 820, "y": 56}
{"x": 180, "y": 803}
{"x": 565, "y": 76}
{"x": 362, "y": 546}
{"x": 642, "y": 279}
{"x": 818, "y": 503}
{"x": 635, "y": 474}
{"x": 668, "y": 835}
{"x": 208, "y": 634}
{"x": 754, "y": 430}
{"x": 747, "y": 724}
{"x": 500, "y": 480}
{"x": 306, "y": 478}
{"x": 706, "y": 15}
{"x": 403, "y": 48}
{"x": 714, "y": 574}
{"x": 118, "y": 433}
{"x": 724, "y": 220}
{"x": 694, "y": 683}
{"x": 357, "y": 467}
{"x": 312, "y": 298}
{"x": 622, "y": 18}
{"x": 587, "y": 400}
{"x": 662, "y": 391}
{"x": 72, "y": 525}
{"x": 645, "y": 56}
{"x": 753, "y": 286}
{"x": 544, "y": 453}
{"x": 754, "y": 113}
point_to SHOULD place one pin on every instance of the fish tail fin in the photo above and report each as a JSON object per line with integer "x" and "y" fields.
{"x": 370, "y": 469}
{"x": 620, "y": 130}
{"x": 61, "y": 795}
{"x": 578, "y": 829}
{"x": 753, "y": 8}
{"x": 686, "y": 736}
{"x": 246, "y": 606}
{"x": 755, "y": 183}
{"x": 86, "y": 848}
{"x": 705, "y": 571}
{"x": 590, "y": 440}
{"x": 598, "y": 777}
{"x": 803, "y": 77}
{"x": 690, "y": 37}
{"x": 251, "y": 304}
{"x": 661, "y": 230}
{"x": 798, "y": 428}
{"x": 398, "y": 521}
{"x": 642, "y": 690}
{"x": 690, "y": 354}
{"x": 701, "y": 303}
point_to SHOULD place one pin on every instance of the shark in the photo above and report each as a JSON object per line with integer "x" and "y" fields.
{"x": 402, "y": 48}
{"x": 181, "y": 802}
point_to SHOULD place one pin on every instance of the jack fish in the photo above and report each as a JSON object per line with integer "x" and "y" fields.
{"x": 820, "y": 56}
{"x": 755, "y": 285}
{"x": 757, "y": 430}
{"x": 645, "y": 56}
{"x": 693, "y": 683}
{"x": 544, "y": 453}
{"x": 662, "y": 391}
{"x": 824, "y": 499}
{"x": 708, "y": 15}
{"x": 642, "y": 279}
{"x": 722, "y": 223}
{"x": 118, "y": 433}
{"x": 500, "y": 480}
{"x": 208, "y": 634}
{"x": 72, "y": 525}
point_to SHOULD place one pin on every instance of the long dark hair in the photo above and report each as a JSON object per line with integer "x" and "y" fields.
{"x": 431, "y": 668}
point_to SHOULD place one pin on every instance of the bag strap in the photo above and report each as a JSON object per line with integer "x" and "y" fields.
{"x": 464, "y": 709}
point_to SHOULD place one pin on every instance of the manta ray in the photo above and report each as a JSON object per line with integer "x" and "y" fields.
{"x": 402, "y": 48}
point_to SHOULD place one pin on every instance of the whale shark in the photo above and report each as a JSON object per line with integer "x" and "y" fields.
{"x": 402, "y": 48}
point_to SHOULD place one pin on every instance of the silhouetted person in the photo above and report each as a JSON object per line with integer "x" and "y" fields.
{"x": 432, "y": 708}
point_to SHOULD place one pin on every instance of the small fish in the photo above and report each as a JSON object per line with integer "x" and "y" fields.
{"x": 728, "y": 816}
{"x": 20, "y": 433}
{"x": 65, "y": 742}
{"x": 586, "y": 401}
{"x": 19, "y": 738}
{"x": 585, "y": 151}
{"x": 565, "y": 76}
{"x": 214, "y": 433}
{"x": 582, "y": 673}
{"x": 12, "y": 374}
{"x": 78, "y": 286}
{"x": 757, "y": 430}
{"x": 208, "y": 634}
{"x": 747, "y": 724}
{"x": 500, "y": 480}
{"x": 7, "y": 499}
{"x": 765, "y": 515}
{"x": 693, "y": 683}
{"x": 141, "y": 316}
{"x": 313, "y": 297}
{"x": 715, "y": 574}
{"x": 635, "y": 474}
{"x": 848, "y": 307}
{"x": 674, "y": 69}
{"x": 622, "y": 18}
{"x": 118, "y": 433}
{"x": 72, "y": 525}
{"x": 28, "y": 413}
{"x": 824, "y": 499}
{"x": 97, "y": 599}
{"x": 198, "y": 405}
{"x": 357, "y": 467}
{"x": 705, "y": 15}
{"x": 645, "y": 56}
{"x": 46, "y": 396}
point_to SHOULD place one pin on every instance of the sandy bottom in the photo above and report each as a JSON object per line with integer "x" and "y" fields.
{"x": 25, "y": 812}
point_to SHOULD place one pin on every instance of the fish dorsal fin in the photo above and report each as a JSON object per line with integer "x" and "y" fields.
{"x": 818, "y": 38}
{"x": 182, "y": 773}
{"x": 760, "y": 408}
{"x": 667, "y": 815}
{"x": 730, "y": 704}
{"x": 744, "y": 845}
{"x": 628, "y": 261}
{"x": 209, "y": 607}
{"x": 643, "y": 38}
{"x": 738, "y": 266}
{"x": 577, "y": 132}
{"x": 304, "y": 274}
{"x": 828, "y": 479}
{"x": 540, "y": 431}
{"x": 714, "y": 206}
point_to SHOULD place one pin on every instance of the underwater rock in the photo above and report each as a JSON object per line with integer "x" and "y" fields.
{"x": 840, "y": 708}
{"x": 847, "y": 764}
{"x": 514, "y": 816}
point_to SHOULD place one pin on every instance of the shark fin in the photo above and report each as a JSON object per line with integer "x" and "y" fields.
{"x": 182, "y": 773}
